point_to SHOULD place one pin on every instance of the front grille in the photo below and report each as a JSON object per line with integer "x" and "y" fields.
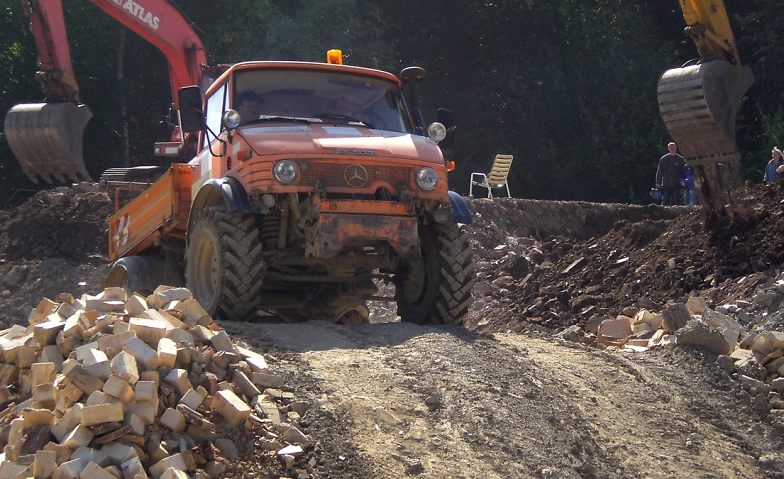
{"x": 334, "y": 175}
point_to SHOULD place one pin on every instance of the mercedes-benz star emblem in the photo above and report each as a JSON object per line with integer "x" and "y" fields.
{"x": 356, "y": 176}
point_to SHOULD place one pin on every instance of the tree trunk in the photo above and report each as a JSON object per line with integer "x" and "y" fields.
{"x": 124, "y": 142}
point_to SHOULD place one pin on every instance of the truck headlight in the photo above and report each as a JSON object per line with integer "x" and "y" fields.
{"x": 427, "y": 178}
{"x": 231, "y": 119}
{"x": 436, "y": 131}
{"x": 285, "y": 171}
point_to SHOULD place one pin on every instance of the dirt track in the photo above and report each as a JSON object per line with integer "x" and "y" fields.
{"x": 439, "y": 402}
{"x": 396, "y": 400}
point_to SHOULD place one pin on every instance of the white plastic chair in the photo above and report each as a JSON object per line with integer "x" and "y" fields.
{"x": 495, "y": 179}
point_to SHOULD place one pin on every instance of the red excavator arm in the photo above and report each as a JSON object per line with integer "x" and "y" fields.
{"x": 47, "y": 137}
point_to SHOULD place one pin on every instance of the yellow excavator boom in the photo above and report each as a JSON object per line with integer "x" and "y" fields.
{"x": 699, "y": 101}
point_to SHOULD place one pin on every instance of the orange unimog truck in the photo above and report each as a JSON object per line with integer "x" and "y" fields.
{"x": 296, "y": 208}
{"x": 295, "y": 203}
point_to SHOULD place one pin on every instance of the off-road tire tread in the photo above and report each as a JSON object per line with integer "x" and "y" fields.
{"x": 243, "y": 263}
{"x": 455, "y": 279}
{"x": 456, "y": 261}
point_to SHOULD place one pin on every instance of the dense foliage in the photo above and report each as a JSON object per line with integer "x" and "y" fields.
{"x": 568, "y": 87}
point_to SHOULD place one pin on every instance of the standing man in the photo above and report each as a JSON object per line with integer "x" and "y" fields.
{"x": 669, "y": 175}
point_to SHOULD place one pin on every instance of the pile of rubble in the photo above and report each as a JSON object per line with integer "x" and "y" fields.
{"x": 111, "y": 386}
{"x": 753, "y": 355}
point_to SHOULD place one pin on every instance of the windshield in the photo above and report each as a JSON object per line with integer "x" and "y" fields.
{"x": 320, "y": 96}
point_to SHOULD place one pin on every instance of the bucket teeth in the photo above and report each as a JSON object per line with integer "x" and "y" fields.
{"x": 46, "y": 138}
{"x": 698, "y": 104}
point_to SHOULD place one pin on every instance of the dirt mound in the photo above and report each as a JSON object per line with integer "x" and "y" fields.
{"x": 54, "y": 242}
{"x": 548, "y": 283}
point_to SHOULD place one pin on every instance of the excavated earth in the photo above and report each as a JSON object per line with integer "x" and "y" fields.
{"x": 502, "y": 397}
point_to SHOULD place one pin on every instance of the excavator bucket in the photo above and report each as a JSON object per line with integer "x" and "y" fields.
{"x": 698, "y": 104}
{"x": 46, "y": 138}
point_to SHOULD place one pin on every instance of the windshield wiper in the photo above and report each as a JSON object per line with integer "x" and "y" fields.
{"x": 295, "y": 119}
{"x": 346, "y": 118}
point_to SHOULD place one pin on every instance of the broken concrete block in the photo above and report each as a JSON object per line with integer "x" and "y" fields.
{"x": 148, "y": 330}
{"x": 81, "y": 435}
{"x": 85, "y": 381}
{"x": 43, "y": 373}
{"x": 699, "y": 333}
{"x": 172, "y": 473}
{"x": 119, "y": 453}
{"x": 167, "y": 352}
{"x": 174, "y": 461}
{"x": 45, "y": 463}
{"x": 39, "y": 313}
{"x": 173, "y": 419}
{"x": 44, "y": 394}
{"x": 119, "y": 388}
{"x": 675, "y": 316}
{"x": 136, "y": 305}
{"x": 192, "y": 399}
{"x": 136, "y": 423}
{"x": 45, "y": 333}
{"x": 120, "y": 327}
{"x": 50, "y": 354}
{"x": 99, "y": 397}
{"x": 9, "y": 374}
{"x": 221, "y": 342}
{"x": 145, "y": 391}
{"x": 180, "y": 336}
{"x": 102, "y": 413}
{"x": 68, "y": 422}
{"x": 88, "y": 454}
{"x": 178, "y": 378}
{"x": 94, "y": 471}
{"x": 166, "y": 294}
{"x": 170, "y": 320}
{"x": 231, "y": 407}
{"x": 726, "y": 324}
{"x": 696, "y": 305}
{"x": 615, "y": 328}
{"x": 255, "y": 360}
{"x": 111, "y": 344}
{"x": 246, "y": 386}
{"x": 143, "y": 354}
{"x": 133, "y": 468}
{"x": 124, "y": 366}
{"x": 193, "y": 314}
{"x": 69, "y": 470}
{"x": 145, "y": 410}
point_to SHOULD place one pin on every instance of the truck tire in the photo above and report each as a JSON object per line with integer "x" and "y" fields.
{"x": 224, "y": 266}
{"x": 438, "y": 289}
{"x": 136, "y": 274}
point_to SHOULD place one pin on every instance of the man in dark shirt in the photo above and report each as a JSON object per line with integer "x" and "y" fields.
{"x": 669, "y": 175}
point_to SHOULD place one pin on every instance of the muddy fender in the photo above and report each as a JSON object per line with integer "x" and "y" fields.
{"x": 460, "y": 211}
{"x": 224, "y": 191}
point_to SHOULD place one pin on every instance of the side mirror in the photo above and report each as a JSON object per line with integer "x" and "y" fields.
{"x": 446, "y": 118}
{"x": 191, "y": 116}
{"x": 447, "y": 145}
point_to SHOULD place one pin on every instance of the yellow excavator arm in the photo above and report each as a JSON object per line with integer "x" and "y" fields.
{"x": 699, "y": 101}
{"x": 709, "y": 26}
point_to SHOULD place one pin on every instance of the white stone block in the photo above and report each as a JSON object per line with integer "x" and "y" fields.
{"x": 143, "y": 354}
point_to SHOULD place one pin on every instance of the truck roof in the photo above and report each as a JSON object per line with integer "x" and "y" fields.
{"x": 277, "y": 65}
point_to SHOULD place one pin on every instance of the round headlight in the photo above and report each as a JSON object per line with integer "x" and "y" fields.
{"x": 231, "y": 119}
{"x": 427, "y": 178}
{"x": 285, "y": 171}
{"x": 436, "y": 131}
